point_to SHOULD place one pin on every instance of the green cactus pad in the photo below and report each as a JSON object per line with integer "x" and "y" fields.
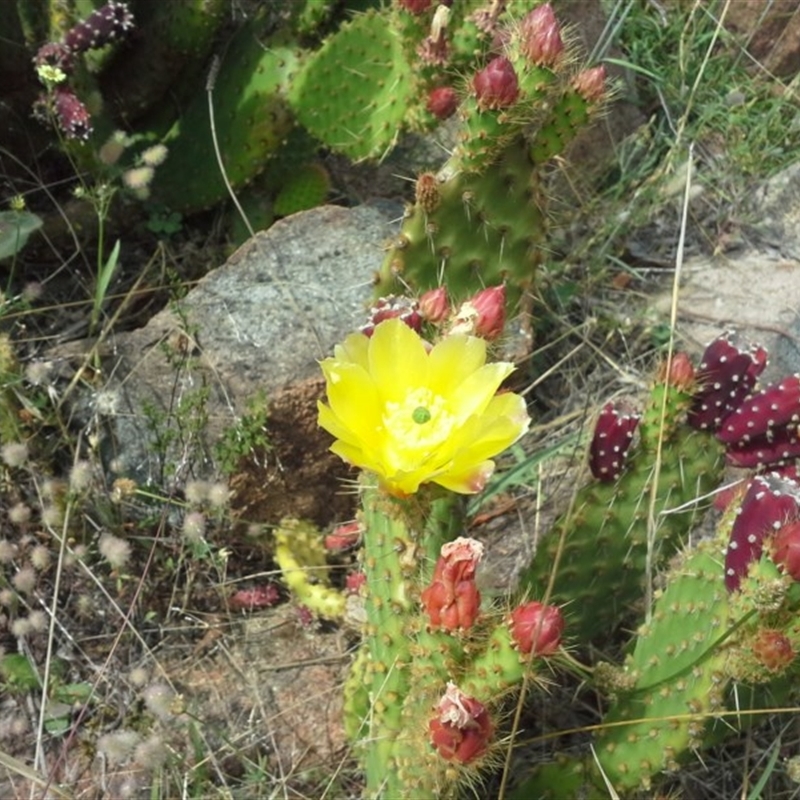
{"x": 354, "y": 93}
{"x": 678, "y": 664}
{"x": 604, "y": 561}
{"x": 252, "y": 119}
{"x": 480, "y": 229}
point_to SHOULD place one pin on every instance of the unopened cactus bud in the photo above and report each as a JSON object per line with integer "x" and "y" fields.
{"x": 452, "y": 600}
{"x": 103, "y": 26}
{"x": 786, "y": 548}
{"x": 496, "y": 85}
{"x": 727, "y": 374}
{"x": 678, "y": 372}
{"x": 442, "y": 102}
{"x": 461, "y": 728}
{"x": 612, "y": 439}
{"x": 72, "y": 116}
{"x": 773, "y": 650}
{"x": 769, "y": 502}
{"x": 591, "y": 84}
{"x": 434, "y": 307}
{"x": 483, "y": 315}
{"x": 354, "y": 581}
{"x": 540, "y": 37}
{"x": 536, "y": 628}
{"x": 390, "y": 307}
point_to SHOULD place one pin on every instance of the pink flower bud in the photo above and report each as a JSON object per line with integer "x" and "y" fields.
{"x": 591, "y": 84}
{"x": 496, "y": 85}
{"x": 452, "y": 600}
{"x": 483, "y": 315}
{"x": 434, "y": 307}
{"x": 681, "y": 372}
{"x": 343, "y": 537}
{"x": 540, "y": 37}
{"x": 354, "y": 581}
{"x": 442, "y": 102}
{"x": 462, "y": 727}
{"x": 537, "y": 628}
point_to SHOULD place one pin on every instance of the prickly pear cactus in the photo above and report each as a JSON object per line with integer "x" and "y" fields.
{"x": 482, "y": 218}
{"x": 252, "y": 118}
{"x": 355, "y": 91}
{"x": 616, "y": 529}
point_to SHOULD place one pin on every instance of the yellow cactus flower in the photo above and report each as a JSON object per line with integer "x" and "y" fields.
{"x": 413, "y": 414}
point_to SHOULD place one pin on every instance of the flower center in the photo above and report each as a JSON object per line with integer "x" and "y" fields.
{"x": 421, "y": 415}
{"x": 416, "y": 428}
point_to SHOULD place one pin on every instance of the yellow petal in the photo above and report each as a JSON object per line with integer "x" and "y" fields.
{"x": 398, "y": 361}
{"x": 453, "y": 360}
{"x": 477, "y": 390}
{"x": 353, "y": 398}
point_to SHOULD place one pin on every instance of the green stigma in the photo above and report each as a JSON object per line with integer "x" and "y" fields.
{"x": 421, "y": 415}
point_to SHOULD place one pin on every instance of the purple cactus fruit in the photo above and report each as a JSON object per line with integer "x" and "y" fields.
{"x": 763, "y": 414}
{"x": 612, "y": 438}
{"x": 103, "y": 26}
{"x": 496, "y": 85}
{"x": 770, "y": 501}
{"x": 774, "y": 450}
{"x": 540, "y": 37}
{"x": 55, "y": 54}
{"x": 727, "y": 374}
{"x": 71, "y": 113}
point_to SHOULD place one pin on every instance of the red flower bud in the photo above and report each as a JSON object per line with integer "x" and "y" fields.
{"x": 434, "y": 306}
{"x": 442, "y": 102}
{"x": 591, "y": 84}
{"x": 786, "y": 548}
{"x": 452, "y": 600}
{"x": 462, "y": 727}
{"x": 537, "y": 628}
{"x": 540, "y": 37}
{"x": 496, "y": 85}
{"x": 773, "y": 650}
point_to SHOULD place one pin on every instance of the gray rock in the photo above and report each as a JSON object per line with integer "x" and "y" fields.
{"x": 260, "y": 322}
